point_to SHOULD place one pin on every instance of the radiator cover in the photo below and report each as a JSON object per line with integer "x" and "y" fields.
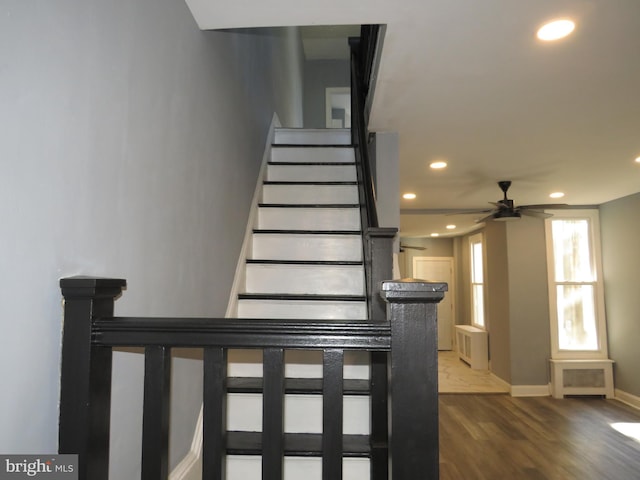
{"x": 582, "y": 377}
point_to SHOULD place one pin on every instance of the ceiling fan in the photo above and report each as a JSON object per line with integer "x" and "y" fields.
{"x": 505, "y": 210}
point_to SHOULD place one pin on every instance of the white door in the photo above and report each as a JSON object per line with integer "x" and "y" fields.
{"x": 439, "y": 269}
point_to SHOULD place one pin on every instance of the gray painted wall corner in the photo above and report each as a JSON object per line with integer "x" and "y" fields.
{"x": 620, "y": 230}
{"x": 528, "y": 302}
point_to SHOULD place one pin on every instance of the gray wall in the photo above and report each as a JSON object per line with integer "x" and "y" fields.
{"x": 516, "y": 298}
{"x": 497, "y": 299}
{"x": 318, "y": 76}
{"x": 462, "y": 275}
{"x": 387, "y": 168}
{"x": 528, "y": 302}
{"x": 620, "y": 227}
{"x": 131, "y": 143}
{"x": 433, "y": 247}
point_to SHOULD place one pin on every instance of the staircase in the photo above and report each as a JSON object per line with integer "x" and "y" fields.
{"x": 305, "y": 262}
{"x": 303, "y": 283}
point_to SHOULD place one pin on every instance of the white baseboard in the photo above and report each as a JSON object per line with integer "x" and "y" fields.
{"x": 627, "y": 398}
{"x": 189, "y": 467}
{"x": 530, "y": 390}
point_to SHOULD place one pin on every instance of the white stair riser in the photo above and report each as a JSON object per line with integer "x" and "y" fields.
{"x": 305, "y": 279}
{"x": 307, "y": 364}
{"x": 310, "y": 194}
{"x": 311, "y": 173}
{"x": 311, "y": 310}
{"x": 314, "y": 154}
{"x": 307, "y": 247}
{"x": 298, "y": 364}
{"x": 295, "y": 468}
{"x": 292, "y": 136}
{"x": 276, "y": 218}
{"x": 303, "y": 413}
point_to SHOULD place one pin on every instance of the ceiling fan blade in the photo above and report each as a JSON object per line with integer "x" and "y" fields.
{"x": 471, "y": 211}
{"x": 545, "y": 206}
{"x": 488, "y": 217}
{"x": 535, "y": 213}
{"x": 412, "y": 247}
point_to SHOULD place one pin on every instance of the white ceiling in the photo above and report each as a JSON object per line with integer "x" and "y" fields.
{"x": 466, "y": 81}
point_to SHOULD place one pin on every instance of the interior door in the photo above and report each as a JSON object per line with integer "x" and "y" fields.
{"x": 439, "y": 269}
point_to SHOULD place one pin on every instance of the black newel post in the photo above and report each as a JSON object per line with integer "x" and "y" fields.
{"x": 412, "y": 311}
{"x": 85, "y": 383}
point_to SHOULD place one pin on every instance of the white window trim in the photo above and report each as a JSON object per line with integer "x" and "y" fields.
{"x": 596, "y": 252}
{"x": 478, "y": 238}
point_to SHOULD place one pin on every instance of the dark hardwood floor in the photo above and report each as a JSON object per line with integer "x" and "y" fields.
{"x": 496, "y": 437}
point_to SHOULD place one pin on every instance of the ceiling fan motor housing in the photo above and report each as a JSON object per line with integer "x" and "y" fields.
{"x": 504, "y": 215}
{"x": 505, "y": 204}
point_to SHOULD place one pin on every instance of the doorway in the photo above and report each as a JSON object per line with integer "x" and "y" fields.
{"x": 440, "y": 269}
{"x": 338, "y": 107}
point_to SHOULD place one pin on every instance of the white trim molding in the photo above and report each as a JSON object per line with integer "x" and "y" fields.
{"x": 627, "y": 398}
{"x": 530, "y": 390}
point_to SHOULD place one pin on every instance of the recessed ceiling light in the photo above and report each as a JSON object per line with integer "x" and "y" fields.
{"x": 435, "y": 234}
{"x": 557, "y": 195}
{"x": 451, "y": 227}
{"x": 555, "y": 30}
{"x": 409, "y": 196}
{"x": 438, "y": 165}
{"x": 637, "y": 159}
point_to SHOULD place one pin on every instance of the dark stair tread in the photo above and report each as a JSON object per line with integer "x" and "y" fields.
{"x": 313, "y": 145}
{"x": 346, "y": 164}
{"x": 296, "y": 444}
{"x": 302, "y": 386}
{"x": 301, "y": 297}
{"x": 306, "y": 232}
{"x": 336, "y": 183}
{"x": 305, "y": 262}
{"x": 309, "y": 205}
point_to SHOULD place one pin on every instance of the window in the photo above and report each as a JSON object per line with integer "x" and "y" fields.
{"x": 477, "y": 281}
{"x": 576, "y": 299}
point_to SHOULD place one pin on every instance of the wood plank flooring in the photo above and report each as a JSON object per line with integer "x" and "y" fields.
{"x": 501, "y": 437}
{"x": 455, "y": 376}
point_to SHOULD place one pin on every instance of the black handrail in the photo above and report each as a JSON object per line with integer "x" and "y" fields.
{"x": 378, "y": 241}
{"x": 361, "y": 54}
{"x": 91, "y": 331}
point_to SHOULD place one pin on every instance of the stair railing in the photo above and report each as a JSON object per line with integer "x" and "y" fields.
{"x": 378, "y": 241}
{"x": 91, "y": 332}
{"x": 361, "y": 54}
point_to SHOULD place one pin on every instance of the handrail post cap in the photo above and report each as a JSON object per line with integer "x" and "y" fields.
{"x": 83, "y": 286}
{"x": 412, "y": 290}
